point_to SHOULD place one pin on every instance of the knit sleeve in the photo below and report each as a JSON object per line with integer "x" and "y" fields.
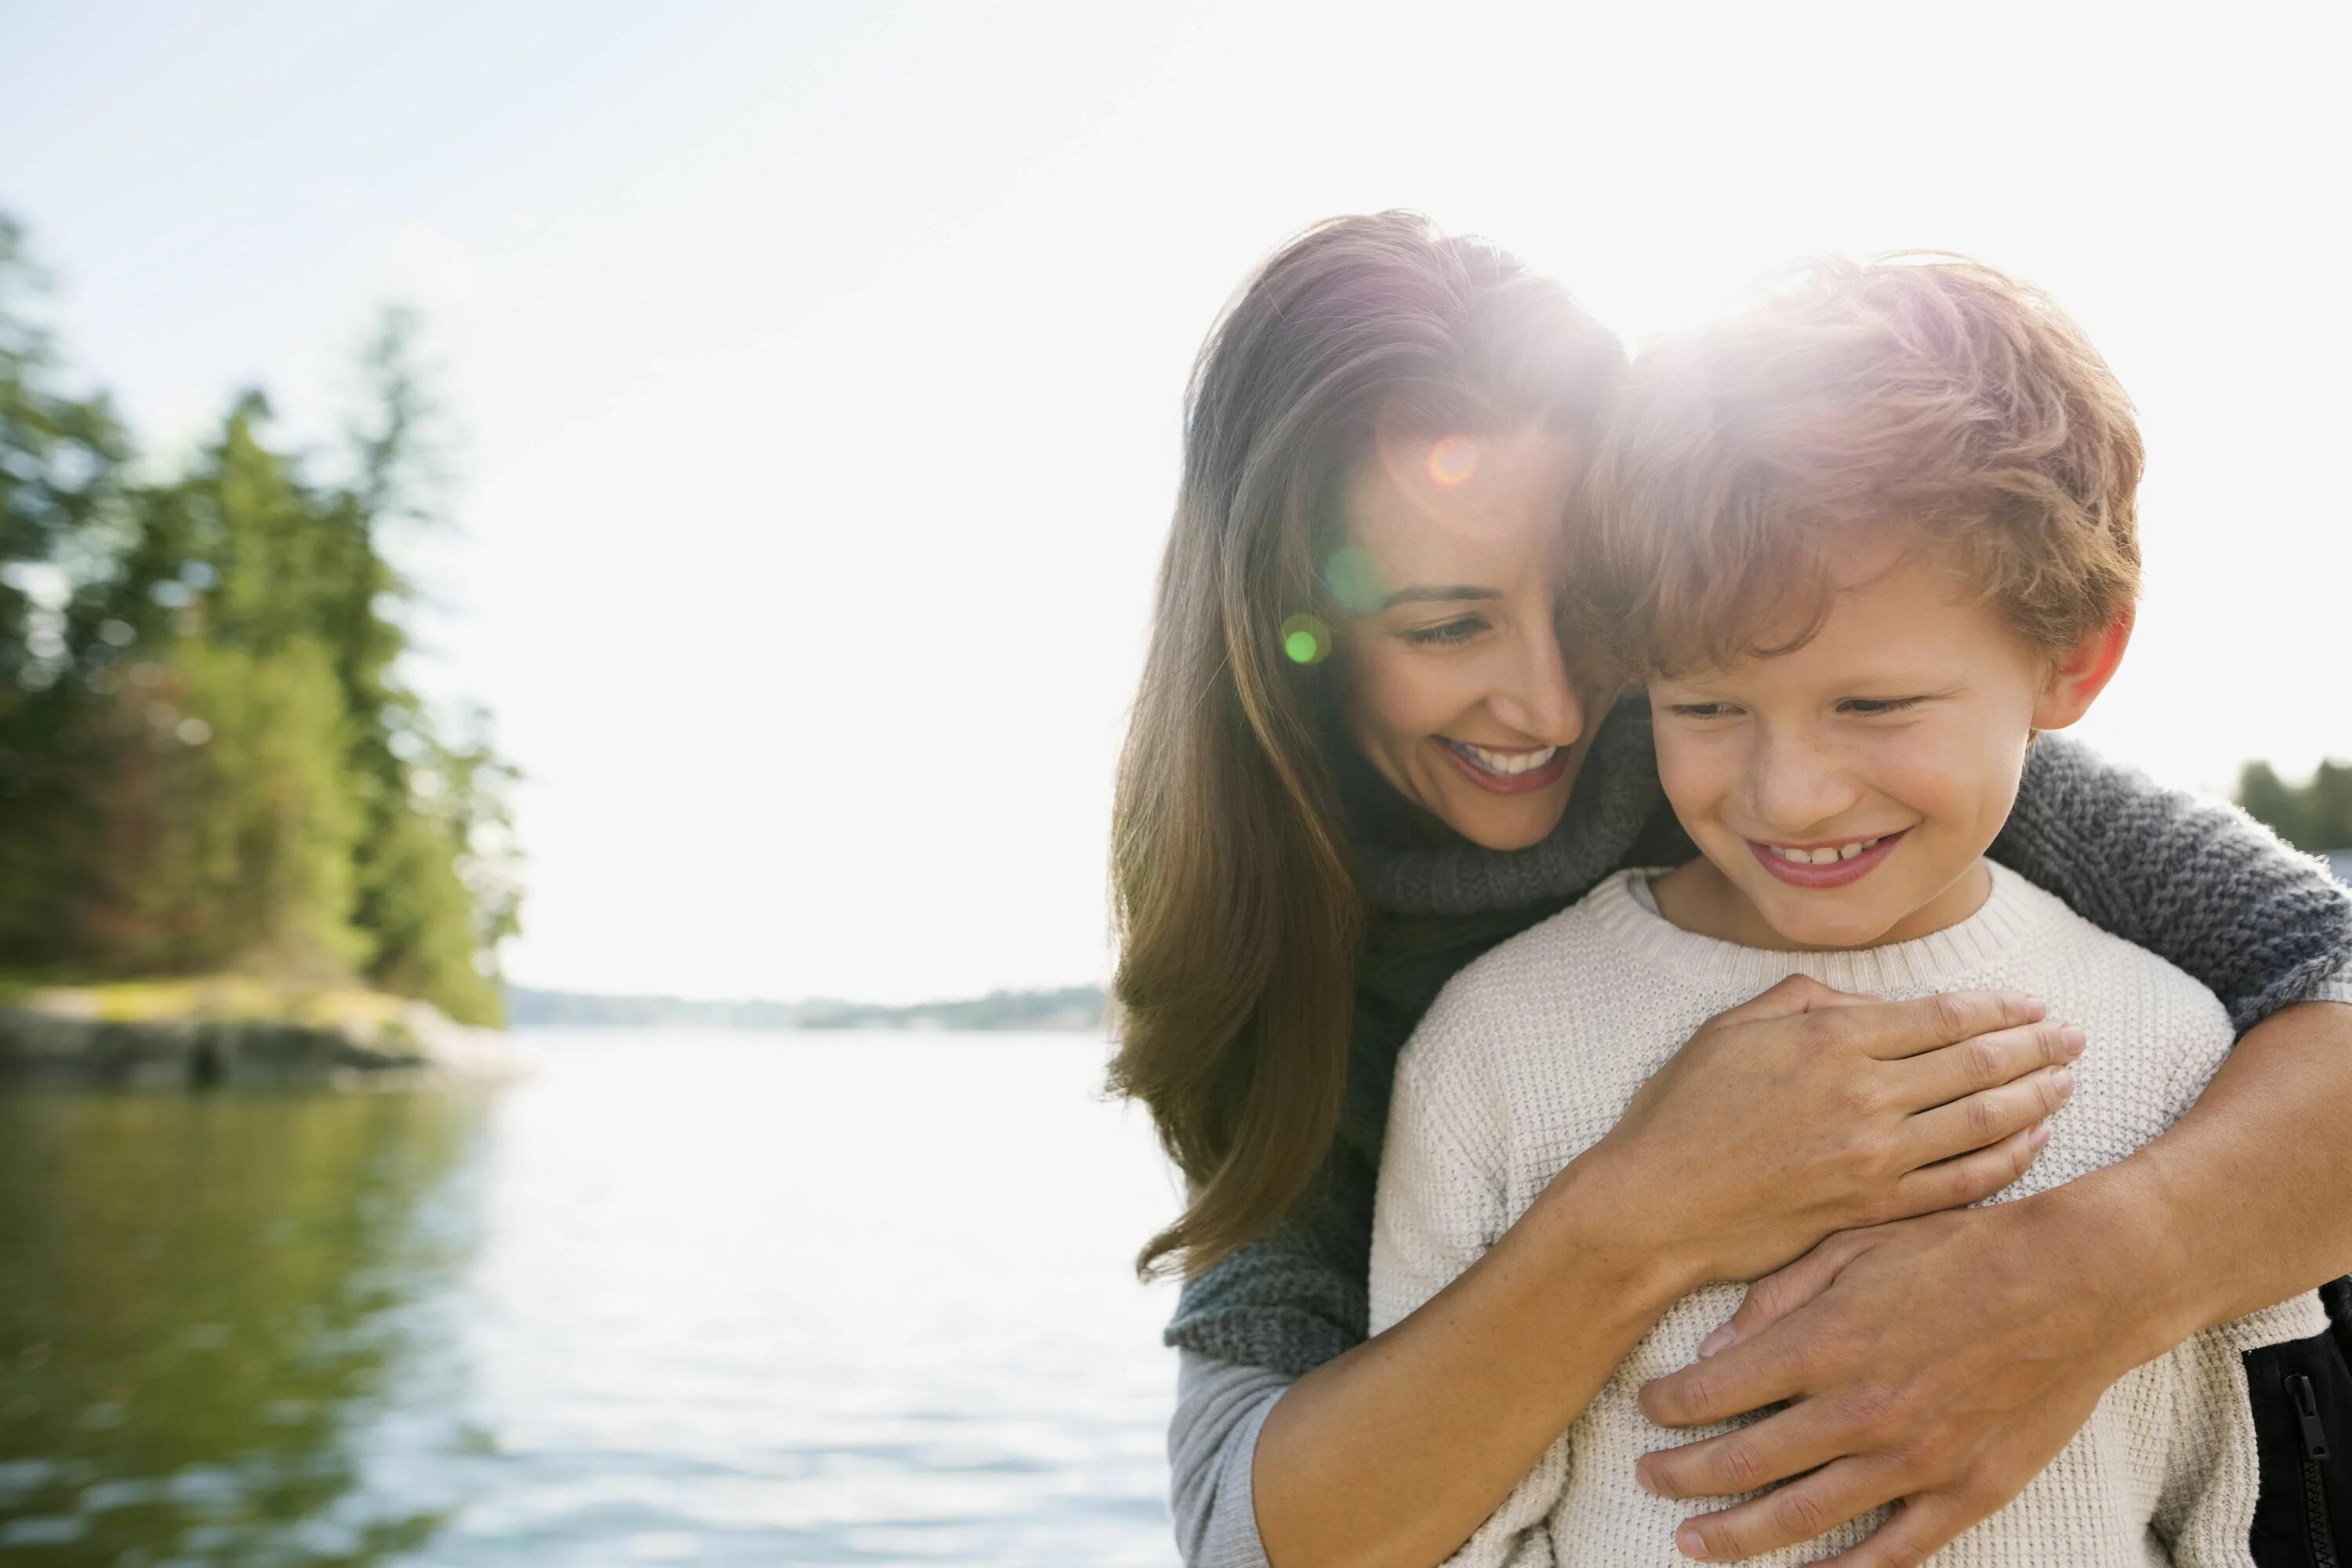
{"x": 1440, "y": 1201}
{"x": 1294, "y": 1297}
{"x": 2192, "y": 879}
{"x": 1441, "y": 1204}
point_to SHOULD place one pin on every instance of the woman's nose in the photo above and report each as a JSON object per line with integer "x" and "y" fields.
{"x": 1540, "y": 699}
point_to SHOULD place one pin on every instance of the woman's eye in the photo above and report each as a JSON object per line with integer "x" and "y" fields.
{"x": 1870, "y": 705}
{"x": 1458, "y": 631}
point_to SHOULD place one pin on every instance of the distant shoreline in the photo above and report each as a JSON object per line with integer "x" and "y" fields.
{"x": 211, "y": 1031}
{"x": 1072, "y": 1008}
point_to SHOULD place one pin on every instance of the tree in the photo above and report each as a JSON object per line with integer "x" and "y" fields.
{"x": 2315, "y": 816}
{"x": 209, "y": 754}
{"x": 61, "y": 457}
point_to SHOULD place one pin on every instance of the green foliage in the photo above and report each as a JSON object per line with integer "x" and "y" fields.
{"x": 208, "y": 756}
{"x": 2315, "y": 816}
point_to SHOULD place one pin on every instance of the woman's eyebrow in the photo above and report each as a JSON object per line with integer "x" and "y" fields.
{"x": 1436, "y": 596}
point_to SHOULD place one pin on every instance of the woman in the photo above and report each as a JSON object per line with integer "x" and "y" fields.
{"x": 1362, "y": 755}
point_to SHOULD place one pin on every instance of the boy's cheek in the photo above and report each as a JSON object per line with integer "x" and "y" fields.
{"x": 1694, "y": 780}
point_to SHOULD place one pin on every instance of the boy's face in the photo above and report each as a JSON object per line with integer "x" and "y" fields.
{"x": 1844, "y": 792}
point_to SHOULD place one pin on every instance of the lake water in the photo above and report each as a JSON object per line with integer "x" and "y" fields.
{"x": 702, "y": 1297}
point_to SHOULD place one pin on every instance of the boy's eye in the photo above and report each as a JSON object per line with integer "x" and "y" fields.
{"x": 1869, "y": 705}
{"x": 1463, "y": 630}
{"x": 1700, "y": 709}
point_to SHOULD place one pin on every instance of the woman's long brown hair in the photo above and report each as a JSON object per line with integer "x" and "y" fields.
{"x": 1235, "y": 890}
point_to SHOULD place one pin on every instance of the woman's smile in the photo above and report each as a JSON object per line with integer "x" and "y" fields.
{"x": 1512, "y": 770}
{"x": 1458, "y": 689}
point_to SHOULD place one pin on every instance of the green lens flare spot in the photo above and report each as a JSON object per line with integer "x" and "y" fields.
{"x": 1307, "y": 639}
{"x": 1355, "y": 580}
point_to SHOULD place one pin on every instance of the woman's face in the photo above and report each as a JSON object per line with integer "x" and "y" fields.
{"x": 1456, "y": 685}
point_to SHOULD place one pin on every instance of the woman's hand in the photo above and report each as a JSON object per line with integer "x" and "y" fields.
{"x": 1904, "y": 1385}
{"x": 1946, "y": 1360}
{"x": 1807, "y": 1111}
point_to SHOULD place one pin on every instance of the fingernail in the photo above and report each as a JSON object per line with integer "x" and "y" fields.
{"x": 2039, "y": 1135}
{"x": 2062, "y": 1080}
{"x": 1642, "y": 1478}
{"x": 2074, "y": 1041}
{"x": 1688, "y": 1541}
{"x": 1720, "y": 1340}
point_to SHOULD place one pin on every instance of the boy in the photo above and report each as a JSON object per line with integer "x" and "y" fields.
{"x": 1861, "y": 543}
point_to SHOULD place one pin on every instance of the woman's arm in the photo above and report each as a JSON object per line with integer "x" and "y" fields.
{"x": 1955, "y": 1404}
{"x": 1212, "y": 1443}
{"x": 1391, "y": 1455}
{"x": 1952, "y": 1399}
{"x": 2194, "y": 881}
{"x": 1394, "y": 1454}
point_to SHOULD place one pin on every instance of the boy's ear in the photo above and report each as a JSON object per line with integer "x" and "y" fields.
{"x": 2082, "y": 674}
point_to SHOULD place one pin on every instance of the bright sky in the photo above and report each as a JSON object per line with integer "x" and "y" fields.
{"x": 820, "y": 364}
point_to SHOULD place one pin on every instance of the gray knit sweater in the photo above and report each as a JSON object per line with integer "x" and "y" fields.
{"x": 2193, "y": 880}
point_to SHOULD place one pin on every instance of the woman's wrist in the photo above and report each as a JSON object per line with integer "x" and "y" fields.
{"x": 1603, "y": 1225}
{"x": 2111, "y": 1233}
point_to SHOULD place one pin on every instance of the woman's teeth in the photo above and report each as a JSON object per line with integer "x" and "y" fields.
{"x": 1504, "y": 764}
{"x": 1828, "y": 855}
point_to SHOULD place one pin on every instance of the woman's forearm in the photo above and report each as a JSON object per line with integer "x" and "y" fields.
{"x": 2248, "y": 1198}
{"x": 1393, "y": 1455}
{"x": 1974, "y": 1342}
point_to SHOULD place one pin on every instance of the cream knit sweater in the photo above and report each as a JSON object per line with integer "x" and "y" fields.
{"x": 1530, "y": 1054}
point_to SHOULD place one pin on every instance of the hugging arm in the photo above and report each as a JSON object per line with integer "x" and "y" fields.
{"x": 2194, "y": 881}
{"x": 1945, "y": 1360}
{"x": 1392, "y": 1451}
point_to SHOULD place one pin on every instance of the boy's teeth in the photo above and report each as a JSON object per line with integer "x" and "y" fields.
{"x": 1829, "y": 854}
{"x": 1506, "y": 765}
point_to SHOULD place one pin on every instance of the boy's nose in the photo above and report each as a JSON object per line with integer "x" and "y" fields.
{"x": 1795, "y": 792}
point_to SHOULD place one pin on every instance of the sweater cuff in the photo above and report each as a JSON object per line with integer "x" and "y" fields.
{"x": 2336, "y": 987}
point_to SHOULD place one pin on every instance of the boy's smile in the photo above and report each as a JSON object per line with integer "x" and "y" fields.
{"x": 1842, "y": 794}
{"x": 1825, "y": 865}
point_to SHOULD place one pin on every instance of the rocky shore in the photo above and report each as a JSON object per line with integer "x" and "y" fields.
{"x": 184, "y": 1035}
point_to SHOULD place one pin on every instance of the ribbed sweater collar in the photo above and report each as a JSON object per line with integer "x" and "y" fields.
{"x": 1937, "y": 962}
{"x": 1615, "y": 797}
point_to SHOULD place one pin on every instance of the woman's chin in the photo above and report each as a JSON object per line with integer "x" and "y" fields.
{"x": 1525, "y": 824}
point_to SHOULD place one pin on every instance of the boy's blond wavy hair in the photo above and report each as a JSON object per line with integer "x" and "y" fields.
{"x": 1931, "y": 397}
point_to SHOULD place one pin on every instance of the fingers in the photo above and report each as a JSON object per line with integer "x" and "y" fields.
{"x": 1922, "y": 1527}
{"x": 1958, "y": 1183}
{"x": 1797, "y": 1512}
{"x": 1786, "y": 1443}
{"x": 1786, "y": 998}
{"x": 1749, "y": 1375}
{"x": 1889, "y": 1030}
{"x": 1986, "y": 1061}
{"x": 1784, "y": 1290}
{"x": 1984, "y": 1118}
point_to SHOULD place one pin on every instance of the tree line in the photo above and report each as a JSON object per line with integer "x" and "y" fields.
{"x": 2315, "y": 815}
{"x": 210, "y": 760}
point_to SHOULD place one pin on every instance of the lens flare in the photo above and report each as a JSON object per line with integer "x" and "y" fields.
{"x": 1307, "y": 639}
{"x": 1453, "y": 460}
